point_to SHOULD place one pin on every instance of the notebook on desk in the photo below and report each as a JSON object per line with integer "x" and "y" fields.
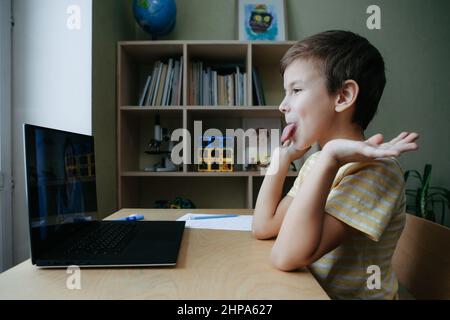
{"x": 62, "y": 208}
{"x": 232, "y": 222}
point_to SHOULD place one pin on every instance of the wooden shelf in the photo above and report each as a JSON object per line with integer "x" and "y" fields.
{"x": 209, "y": 111}
{"x": 195, "y": 108}
{"x": 199, "y": 174}
{"x": 135, "y": 124}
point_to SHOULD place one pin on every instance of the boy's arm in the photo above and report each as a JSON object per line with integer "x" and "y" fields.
{"x": 269, "y": 211}
{"x": 307, "y": 232}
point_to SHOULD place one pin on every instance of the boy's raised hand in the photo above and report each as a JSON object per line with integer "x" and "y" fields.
{"x": 345, "y": 151}
{"x": 290, "y": 152}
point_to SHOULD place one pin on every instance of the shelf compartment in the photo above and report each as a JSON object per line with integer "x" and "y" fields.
{"x": 135, "y": 64}
{"x": 167, "y": 111}
{"x": 137, "y": 127}
{"x": 219, "y": 193}
{"x": 213, "y": 111}
{"x": 266, "y": 59}
{"x": 216, "y": 55}
{"x": 199, "y": 174}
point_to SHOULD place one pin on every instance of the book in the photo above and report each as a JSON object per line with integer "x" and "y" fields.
{"x": 145, "y": 91}
{"x": 215, "y": 101}
{"x": 158, "y": 80}
{"x": 168, "y": 96}
{"x": 257, "y": 88}
{"x": 180, "y": 83}
{"x": 167, "y": 82}
{"x": 237, "y": 87}
{"x": 244, "y": 96}
{"x": 200, "y": 83}
{"x": 174, "y": 93}
{"x": 210, "y": 87}
{"x": 161, "y": 85}
{"x": 230, "y": 90}
{"x": 152, "y": 84}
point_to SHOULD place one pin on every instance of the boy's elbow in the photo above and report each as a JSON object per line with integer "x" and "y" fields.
{"x": 258, "y": 233}
{"x": 287, "y": 263}
{"x": 261, "y": 232}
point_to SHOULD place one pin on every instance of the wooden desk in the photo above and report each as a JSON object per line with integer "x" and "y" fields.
{"x": 212, "y": 264}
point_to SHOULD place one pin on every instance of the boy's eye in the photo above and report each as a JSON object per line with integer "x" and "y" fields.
{"x": 293, "y": 91}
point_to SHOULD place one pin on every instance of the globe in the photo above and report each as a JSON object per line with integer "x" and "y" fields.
{"x": 157, "y": 17}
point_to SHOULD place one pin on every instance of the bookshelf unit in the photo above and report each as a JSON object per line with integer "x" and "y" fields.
{"x": 138, "y": 188}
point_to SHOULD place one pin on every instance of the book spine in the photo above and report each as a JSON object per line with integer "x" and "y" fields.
{"x": 167, "y": 82}
{"x": 152, "y": 84}
{"x": 244, "y": 100}
{"x": 145, "y": 91}
{"x": 237, "y": 87}
{"x": 255, "y": 85}
{"x": 200, "y": 86}
{"x": 161, "y": 85}
{"x": 173, "y": 96}
{"x": 180, "y": 82}
{"x": 215, "y": 88}
{"x": 158, "y": 80}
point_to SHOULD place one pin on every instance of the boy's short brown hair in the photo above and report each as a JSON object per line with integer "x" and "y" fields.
{"x": 344, "y": 55}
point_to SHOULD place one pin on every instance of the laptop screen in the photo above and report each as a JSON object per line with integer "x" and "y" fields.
{"x": 61, "y": 184}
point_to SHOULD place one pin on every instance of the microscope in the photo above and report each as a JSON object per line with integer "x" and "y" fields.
{"x": 161, "y": 136}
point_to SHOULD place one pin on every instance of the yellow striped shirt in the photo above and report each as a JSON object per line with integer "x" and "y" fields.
{"x": 370, "y": 197}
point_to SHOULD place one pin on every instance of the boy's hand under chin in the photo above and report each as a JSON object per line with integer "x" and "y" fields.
{"x": 290, "y": 152}
{"x": 344, "y": 151}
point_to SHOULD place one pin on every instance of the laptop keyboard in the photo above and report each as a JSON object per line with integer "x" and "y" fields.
{"x": 109, "y": 238}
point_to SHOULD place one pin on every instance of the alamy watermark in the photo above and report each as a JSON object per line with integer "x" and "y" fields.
{"x": 73, "y": 281}
{"x": 248, "y": 147}
{"x": 374, "y": 280}
{"x": 74, "y": 17}
{"x": 374, "y": 20}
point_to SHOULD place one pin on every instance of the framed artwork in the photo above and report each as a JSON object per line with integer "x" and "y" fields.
{"x": 262, "y": 20}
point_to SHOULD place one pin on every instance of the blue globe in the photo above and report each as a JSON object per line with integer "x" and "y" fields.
{"x": 157, "y": 17}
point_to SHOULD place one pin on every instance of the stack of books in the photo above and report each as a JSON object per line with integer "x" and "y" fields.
{"x": 163, "y": 86}
{"x": 217, "y": 85}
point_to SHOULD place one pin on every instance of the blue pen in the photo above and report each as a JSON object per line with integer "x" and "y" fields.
{"x": 217, "y": 216}
{"x": 133, "y": 217}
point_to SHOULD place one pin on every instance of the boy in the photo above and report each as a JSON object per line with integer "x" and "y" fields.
{"x": 345, "y": 212}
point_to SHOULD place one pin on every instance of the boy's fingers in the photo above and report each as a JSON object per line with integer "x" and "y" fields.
{"x": 406, "y": 147}
{"x": 399, "y": 137}
{"x": 410, "y": 147}
{"x": 376, "y": 139}
{"x": 411, "y": 137}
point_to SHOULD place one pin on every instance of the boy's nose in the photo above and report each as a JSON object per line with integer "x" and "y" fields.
{"x": 283, "y": 107}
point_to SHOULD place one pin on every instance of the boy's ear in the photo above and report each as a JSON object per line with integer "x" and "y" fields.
{"x": 346, "y": 97}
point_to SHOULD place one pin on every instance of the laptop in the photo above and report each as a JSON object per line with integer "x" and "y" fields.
{"x": 62, "y": 208}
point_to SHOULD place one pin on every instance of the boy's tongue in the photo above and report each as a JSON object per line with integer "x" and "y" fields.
{"x": 288, "y": 132}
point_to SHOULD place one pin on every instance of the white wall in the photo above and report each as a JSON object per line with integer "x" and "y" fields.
{"x": 5, "y": 136}
{"x": 52, "y": 72}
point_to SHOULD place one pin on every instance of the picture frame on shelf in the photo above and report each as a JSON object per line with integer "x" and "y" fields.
{"x": 262, "y": 20}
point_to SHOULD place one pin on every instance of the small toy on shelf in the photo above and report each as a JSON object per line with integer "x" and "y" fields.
{"x": 214, "y": 156}
{"x": 177, "y": 203}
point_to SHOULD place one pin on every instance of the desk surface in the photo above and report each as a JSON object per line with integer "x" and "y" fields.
{"x": 212, "y": 264}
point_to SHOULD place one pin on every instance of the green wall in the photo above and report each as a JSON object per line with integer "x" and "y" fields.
{"x": 111, "y": 23}
{"x": 414, "y": 40}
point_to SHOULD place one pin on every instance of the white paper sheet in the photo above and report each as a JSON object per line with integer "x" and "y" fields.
{"x": 239, "y": 223}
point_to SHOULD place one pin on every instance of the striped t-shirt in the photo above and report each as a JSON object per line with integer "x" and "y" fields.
{"x": 370, "y": 197}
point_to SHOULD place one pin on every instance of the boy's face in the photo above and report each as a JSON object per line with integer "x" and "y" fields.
{"x": 307, "y": 104}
